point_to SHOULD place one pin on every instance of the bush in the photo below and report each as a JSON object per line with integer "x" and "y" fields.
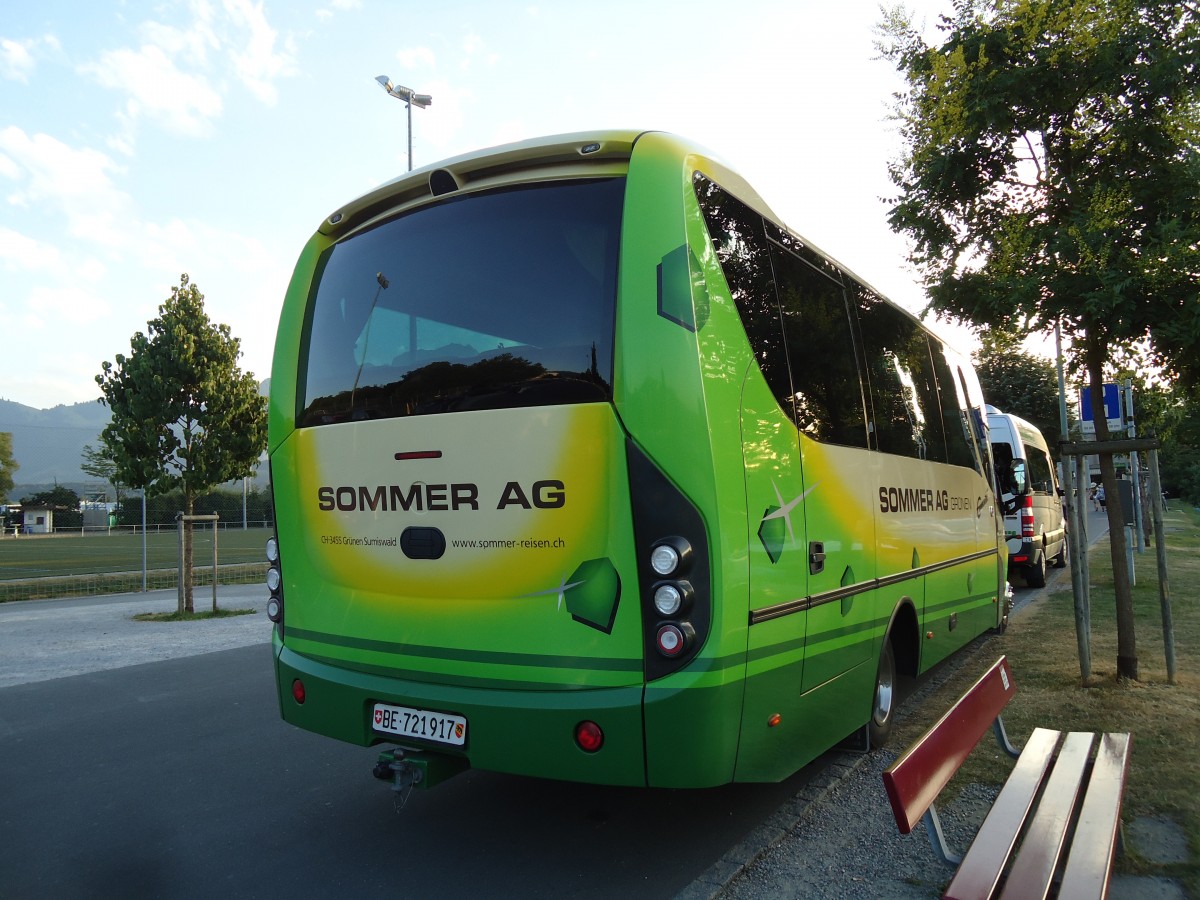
{"x": 163, "y": 508}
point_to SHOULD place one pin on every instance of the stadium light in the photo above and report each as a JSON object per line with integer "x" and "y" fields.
{"x": 409, "y": 96}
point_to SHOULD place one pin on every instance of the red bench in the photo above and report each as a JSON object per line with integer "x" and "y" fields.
{"x": 1056, "y": 822}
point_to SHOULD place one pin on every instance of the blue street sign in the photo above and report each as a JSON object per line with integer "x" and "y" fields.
{"x": 1112, "y": 409}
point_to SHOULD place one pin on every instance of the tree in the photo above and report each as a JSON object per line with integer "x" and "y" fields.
{"x": 100, "y": 462}
{"x": 1019, "y": 382}
{"x": 184, "y": 415}
{"x": 1050, "y": 175}
{"x": 1174, "y": 416}
{"x": 8, "y": 465}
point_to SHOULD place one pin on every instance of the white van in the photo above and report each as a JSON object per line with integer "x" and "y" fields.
{"x": 1027, "y": 484}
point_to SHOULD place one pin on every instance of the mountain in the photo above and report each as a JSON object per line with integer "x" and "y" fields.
{"x": 48, "y": 443}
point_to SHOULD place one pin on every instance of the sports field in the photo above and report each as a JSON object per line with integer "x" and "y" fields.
{"x": 50, "y": 556}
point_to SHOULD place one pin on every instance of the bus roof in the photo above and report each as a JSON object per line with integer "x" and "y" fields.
{"x": 585, "y": 154}
{"x": 578, "y": 155}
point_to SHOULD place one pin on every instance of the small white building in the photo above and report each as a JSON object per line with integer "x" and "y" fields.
{"x": 39, "y": 519}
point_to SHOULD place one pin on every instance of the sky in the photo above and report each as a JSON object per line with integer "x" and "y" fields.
{"x": 143, "y": 140}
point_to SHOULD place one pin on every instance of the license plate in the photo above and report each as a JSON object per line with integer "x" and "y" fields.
{"x": 441, "y": 728}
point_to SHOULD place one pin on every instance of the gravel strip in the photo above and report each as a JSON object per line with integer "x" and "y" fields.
{"x": 43, "y": 639}
{"x": 837, "y": 838}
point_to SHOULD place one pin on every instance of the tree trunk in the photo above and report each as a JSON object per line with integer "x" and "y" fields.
{"x": 1127, "y": 664}
{"x": 189, "y": 509}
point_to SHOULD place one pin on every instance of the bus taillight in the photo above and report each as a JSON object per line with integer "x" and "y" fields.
{"x": 673, "y": 568}
{"x": 672, "y": 639}
{"x": 589, "y": 736}
{"x": 274, "y": 583}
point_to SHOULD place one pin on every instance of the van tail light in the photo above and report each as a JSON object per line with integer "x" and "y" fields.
{"x": 1027, "y": 530}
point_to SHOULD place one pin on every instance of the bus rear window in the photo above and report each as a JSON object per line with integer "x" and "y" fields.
{"x": 484, "y": 301}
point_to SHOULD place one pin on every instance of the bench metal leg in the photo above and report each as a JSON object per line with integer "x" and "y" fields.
{"x": 933, "y": 827}
{"x": 1002, "y": 738}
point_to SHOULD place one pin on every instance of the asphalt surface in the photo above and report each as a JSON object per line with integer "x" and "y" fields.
{"x": 142, "y": 759}
{"x": 816, "y": 844}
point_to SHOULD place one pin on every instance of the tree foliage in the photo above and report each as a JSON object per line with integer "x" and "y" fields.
{"x": 184, "y": 415}
{"x": 99, "y": 462}
{"x": 227, "y": 504}
{"x": 1051, "y": 170}
{"x": 1050, "y": 176}
{"x": 1019, "y": 382}
{"x": 1174, "y": 417}
{"x": 8, "y": 465}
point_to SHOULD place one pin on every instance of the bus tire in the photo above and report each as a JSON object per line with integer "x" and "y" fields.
{"x": 883, "y": 704}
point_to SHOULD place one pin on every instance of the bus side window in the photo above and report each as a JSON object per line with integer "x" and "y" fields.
{"x": 740, "y": 243}
{"x": 816, "y": 326}
{"x": 972, "y": 406}
{"x": 959, "y": 442}
{"x": 904, "y": 405}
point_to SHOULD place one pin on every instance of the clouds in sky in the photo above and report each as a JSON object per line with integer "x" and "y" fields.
{"x": 142, "y": 140}
{"x": 81, "y": 234}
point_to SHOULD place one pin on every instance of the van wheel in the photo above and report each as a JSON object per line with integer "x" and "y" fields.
{"x": 1060, "y": 561}
{"x": 1035, "y": 575}
{"x": 883, "y": 709}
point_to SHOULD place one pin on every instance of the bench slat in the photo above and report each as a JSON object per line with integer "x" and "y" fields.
{"x": 1033, "y": 869}
{"x": 1095, "y": 840}
{"x": 914, "y": 780}
{"x": 984, "y": 861}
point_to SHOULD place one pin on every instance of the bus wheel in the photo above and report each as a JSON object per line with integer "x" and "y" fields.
{"x": 883, "y": 710}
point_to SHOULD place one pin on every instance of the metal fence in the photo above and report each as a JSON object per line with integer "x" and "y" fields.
{"x": 123, "y": 582}
{"x": 78, "y": 564}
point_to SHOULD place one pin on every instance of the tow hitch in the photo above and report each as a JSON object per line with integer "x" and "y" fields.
{"x": 408, "y": 769}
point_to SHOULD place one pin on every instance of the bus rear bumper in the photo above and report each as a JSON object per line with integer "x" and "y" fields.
{"x": 525, "y": 732}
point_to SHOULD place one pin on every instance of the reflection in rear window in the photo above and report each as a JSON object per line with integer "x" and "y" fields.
{"x": 485, "y": 301}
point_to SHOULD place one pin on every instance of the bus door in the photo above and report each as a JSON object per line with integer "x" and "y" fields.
{"x": 828, "y": 405}
{"x": 773, "y": 727}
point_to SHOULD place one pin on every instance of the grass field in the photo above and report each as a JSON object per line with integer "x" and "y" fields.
{"x": 1163, "y": 718}
{"x": 37, "y": 556}
{"x": 33, "y": 567}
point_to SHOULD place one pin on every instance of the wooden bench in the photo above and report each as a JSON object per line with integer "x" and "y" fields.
{"x": 1056, "y": 821}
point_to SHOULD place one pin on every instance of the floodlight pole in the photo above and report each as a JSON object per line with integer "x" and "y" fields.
{"x": 409, "y": 96}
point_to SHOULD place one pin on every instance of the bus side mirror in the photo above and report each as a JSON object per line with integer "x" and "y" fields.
{"x": 1020, "y": 484}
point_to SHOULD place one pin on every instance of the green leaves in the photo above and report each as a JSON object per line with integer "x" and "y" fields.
{"x": 184, "y": 414}
{"x": 8, "y": 465}
{"x": 1051, "y": 168}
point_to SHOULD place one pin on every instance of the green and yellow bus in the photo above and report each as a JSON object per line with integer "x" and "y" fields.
{"x": 586, "y": 467}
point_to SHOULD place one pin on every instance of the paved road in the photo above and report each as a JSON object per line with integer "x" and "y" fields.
{"x": 148, "y": 759}
{"x": 174, "y": 777}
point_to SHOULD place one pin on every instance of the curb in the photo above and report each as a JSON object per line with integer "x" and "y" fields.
{"x": 744, "y": 854}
